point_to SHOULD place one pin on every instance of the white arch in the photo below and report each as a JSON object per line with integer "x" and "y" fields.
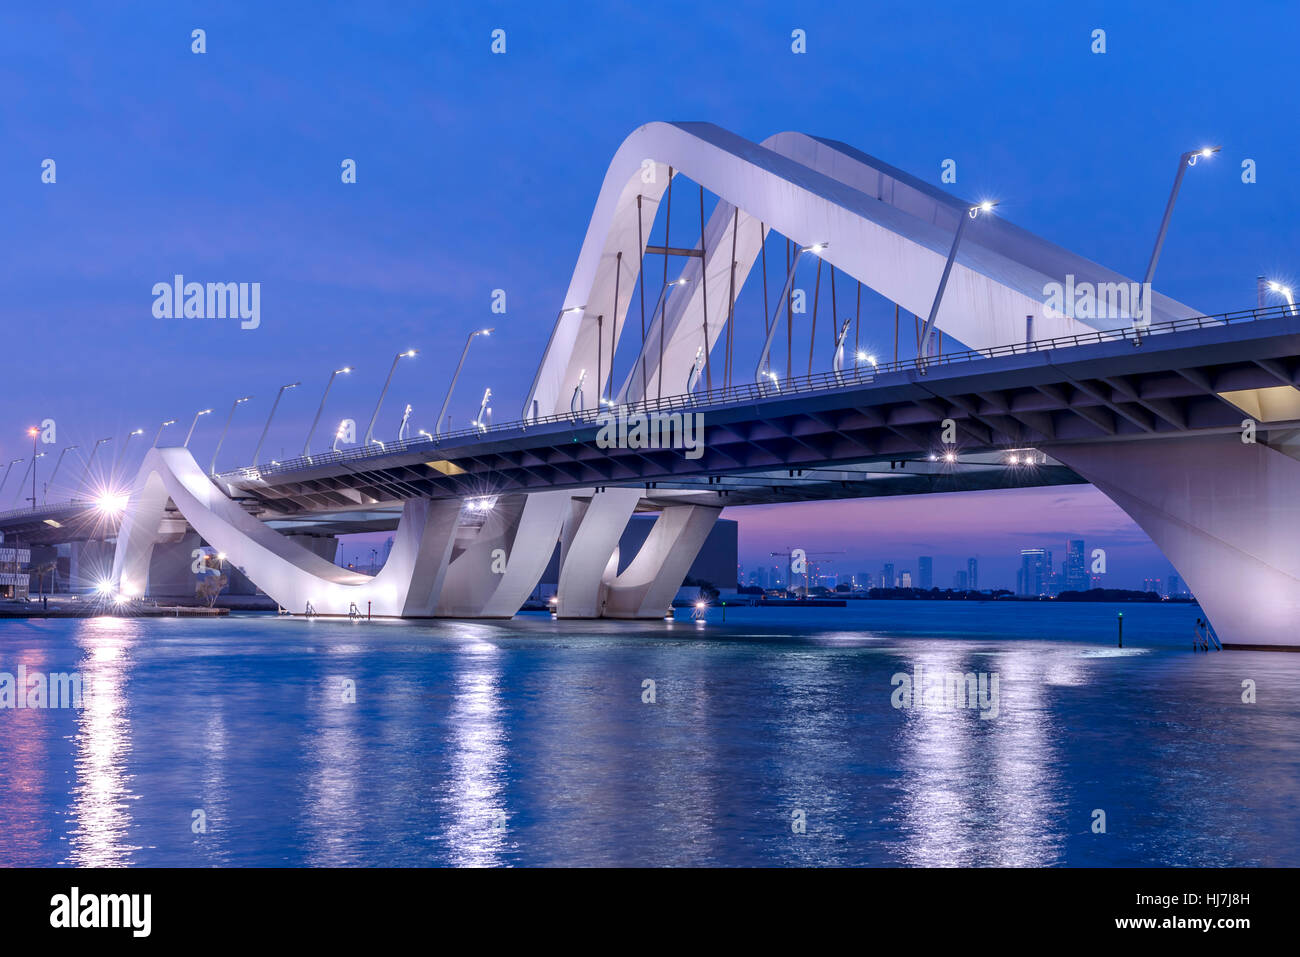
{"x": 884, "y": 227}
{"x": 409, "y": 584}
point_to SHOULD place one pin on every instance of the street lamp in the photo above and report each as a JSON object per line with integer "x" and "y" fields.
{"x": 661, "y": 307}
{"x": 38, "y": 455}
{"x": 57, "y": 462}
{"x": 258, "y": 451}
{"x": 971, "y": 213}
{"x": 1286, "y": 291}
{"x": 189, "y": 435}
{"x": 212, "y": 470}
{"x": 437, "y": 426}
{"x": 1187, "y": 159}
{"x": 159, "y": 432}
{"x": 12, "y": 463}
{"x": 121, "y": 453}
{"x": 35, "y": 433}
{"x": 763, "y": 369}
{"x": 527, "y": 415}
{"x": 370, "y": 429}
{"x": 90, "y": 461}
{"x": 306, "y": 446}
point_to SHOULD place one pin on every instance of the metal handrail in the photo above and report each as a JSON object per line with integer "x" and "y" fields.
{"x": 818, "y": 381}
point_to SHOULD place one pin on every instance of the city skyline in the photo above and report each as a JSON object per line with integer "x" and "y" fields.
{"x": 1045, "y": 517}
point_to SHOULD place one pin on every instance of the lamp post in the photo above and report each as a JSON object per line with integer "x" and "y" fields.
{"x": 212, "y": 470}
{"x": 928, "y": 329}
{"x": 1186, "y": 160}
{"x": 370, "y": 429}
{"x": 12, "y": 463}
{"x": 306, "y": 446}
{"x": 660, "y": 307}
{"x": 437, "y": 426}
{"x": 38, "y": 455}
{"x": 266, "y": 428}
{"x": 763, "y": 369}
{"x": 85, "y": 478}
{"x": 867, "y": 358}
{"x": 1286, "y": 291}
{"x": 57, "y": 462}
{"x": 189, "y": 435}
{"x": 527, "y": 414}
{"x": 121, "y": 452}
{"x": 159, "y": 432}
{"x": 35, "y": 433}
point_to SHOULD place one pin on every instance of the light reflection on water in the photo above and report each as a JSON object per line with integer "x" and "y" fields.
{"x": 529, "y": 742}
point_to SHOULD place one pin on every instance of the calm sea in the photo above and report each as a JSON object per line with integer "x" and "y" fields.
{"x": 770, "y": 739}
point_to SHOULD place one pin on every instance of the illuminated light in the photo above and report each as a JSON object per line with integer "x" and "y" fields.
{"x": 104, "y": 587}
{"x": 699, "y": 604}
{"x": 221, "y": 556}
{"x": 950, "y": 456}
{"x": 129, "y": 590}
{"x": 1015, "y": 460}
{"x": 410, "y": 352}
{"x": 933, "y": 457}
{"x": 112, "y": 504}
{"x": 53, "y": 524}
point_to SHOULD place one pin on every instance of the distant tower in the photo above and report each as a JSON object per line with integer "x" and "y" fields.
{"x": 887, "y": 579}
{"x": 973, "y": 574}
{"x": 925, "y": 572}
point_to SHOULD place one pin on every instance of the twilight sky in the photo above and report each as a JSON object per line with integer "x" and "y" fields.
{"x": 478, "y": 171}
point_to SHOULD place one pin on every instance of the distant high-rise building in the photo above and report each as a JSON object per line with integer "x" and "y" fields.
{"x": 973, "y": 574}
{"x": 907, "y": 580}
{"x": 887, "y": 579}
{"x": 774, "y": 577}
{"x": 863, "y": 580}
{"x": 1035, "y": 571}
{"x": 959, "y": 581}
{"x": 1076, "y": 571}
{"x": 1151, "y": 584}
{"x": 1176, "y": 587}
{"x": 925, "y": 572}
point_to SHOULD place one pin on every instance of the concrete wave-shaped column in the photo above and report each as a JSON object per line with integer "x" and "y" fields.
{"x": 410, "y": 583}
{"x": 647, "y": 586}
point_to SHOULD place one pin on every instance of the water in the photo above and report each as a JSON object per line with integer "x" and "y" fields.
{"x": 459, "y": 728}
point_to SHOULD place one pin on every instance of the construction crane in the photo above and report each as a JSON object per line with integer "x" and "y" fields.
{"x": 789, "y": 556}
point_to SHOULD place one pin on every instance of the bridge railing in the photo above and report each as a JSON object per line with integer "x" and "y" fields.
{"x": 859, "y": 374}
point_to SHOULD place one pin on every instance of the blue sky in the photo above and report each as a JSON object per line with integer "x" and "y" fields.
{"x": 478, "y": 171}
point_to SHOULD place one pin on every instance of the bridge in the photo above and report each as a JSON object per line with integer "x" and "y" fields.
{"x": 1187, "y": 422}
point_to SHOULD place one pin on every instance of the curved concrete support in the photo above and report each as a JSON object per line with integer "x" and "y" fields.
{"x": 589, "y": 543}
{"x": 647, "y": 586}
{"x": 409, "y": 583}
{"x": 885, "y": 228}
{"x": 1223, "y": 512}
{"x": 495, "y": 573}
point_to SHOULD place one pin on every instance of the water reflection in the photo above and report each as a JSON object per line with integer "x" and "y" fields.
{"x": 101, "y": 796}
{"x": 979, "y": 791}
{"x": 473, "y": 802}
